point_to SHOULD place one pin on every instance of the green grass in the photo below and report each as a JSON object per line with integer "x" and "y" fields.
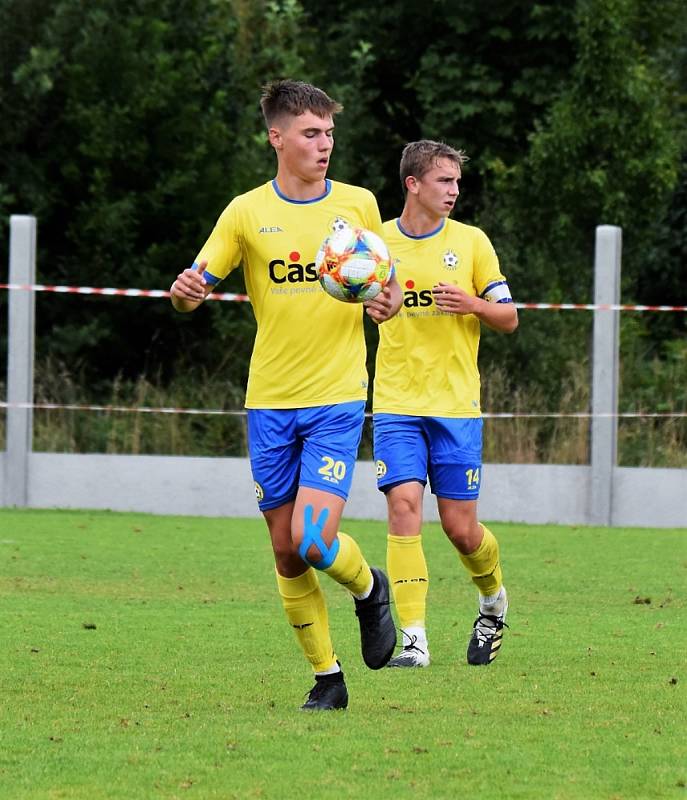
{"x": 148, "y": 657}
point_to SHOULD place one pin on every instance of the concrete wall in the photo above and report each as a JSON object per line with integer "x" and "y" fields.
{"x": 215, "y": 487}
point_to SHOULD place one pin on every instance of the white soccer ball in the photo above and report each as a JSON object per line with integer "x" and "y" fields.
{"x": 353, "y": 265}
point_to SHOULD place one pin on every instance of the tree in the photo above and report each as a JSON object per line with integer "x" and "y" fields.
{"x": 608, "y": 151}
{"x": 131, "y": 128}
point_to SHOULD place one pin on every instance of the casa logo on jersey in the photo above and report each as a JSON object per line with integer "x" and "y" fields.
{"x": 292, "y": 269}
{"x": 381, "y": 469}
{"x": 413, "y": 298}
{"x": 259, "y": 494}
{"x": 451, "y": 260}
{"x": 295, "y": 269}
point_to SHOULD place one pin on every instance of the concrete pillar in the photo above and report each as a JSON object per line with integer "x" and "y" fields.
{"x": 606, "y": 344}
{"x": 21, "y": 334}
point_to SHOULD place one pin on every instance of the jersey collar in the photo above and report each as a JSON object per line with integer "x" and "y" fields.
{"x": 422, "y": 235}
{"x": 327, "y": 190}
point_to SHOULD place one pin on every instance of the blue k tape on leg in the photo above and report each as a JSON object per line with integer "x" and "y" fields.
{"x": 312, "y": 535}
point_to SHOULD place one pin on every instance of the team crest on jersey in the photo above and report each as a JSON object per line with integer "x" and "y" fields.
{"x": 381, "y": 469}
{"x": 338, "y": 224}
{"x": 259, "y": 494}
{"x": 451, "y": 259}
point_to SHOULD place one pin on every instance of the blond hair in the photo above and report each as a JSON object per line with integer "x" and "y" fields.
{"x": 419, "y": 157}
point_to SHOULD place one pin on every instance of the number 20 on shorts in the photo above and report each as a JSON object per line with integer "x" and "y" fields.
{"x": 332, "y": 470}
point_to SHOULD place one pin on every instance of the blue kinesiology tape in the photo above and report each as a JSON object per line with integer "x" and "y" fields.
{"x": 312, "y": 535}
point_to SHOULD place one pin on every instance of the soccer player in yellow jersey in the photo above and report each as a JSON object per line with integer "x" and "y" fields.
{"x": 307, "y": 382}
{"x": 427, "y": 419}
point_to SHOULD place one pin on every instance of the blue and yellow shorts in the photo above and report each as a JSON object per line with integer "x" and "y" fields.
{"x": 448, "y": 451}
{"x": 315, "y": 447}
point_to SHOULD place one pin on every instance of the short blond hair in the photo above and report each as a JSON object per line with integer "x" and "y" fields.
{"x": 419, "y": 157}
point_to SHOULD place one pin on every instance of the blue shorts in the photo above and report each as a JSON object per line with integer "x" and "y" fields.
{"x": 315, "y": 447}
{"x": 447, "y": 451}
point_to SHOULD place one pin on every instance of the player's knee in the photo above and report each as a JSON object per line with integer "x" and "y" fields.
{"x": 405, "y": 509}
{"x": 464, "y": 534}
{"x": 319, "y": 558}
{"x": 286, "y": 557}
{"x": 312, "y": 547}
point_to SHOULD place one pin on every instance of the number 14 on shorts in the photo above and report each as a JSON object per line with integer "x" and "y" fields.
{"x": 472, "y": 478}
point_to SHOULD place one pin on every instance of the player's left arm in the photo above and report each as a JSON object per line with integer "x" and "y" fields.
{"x": 500, "y": 315}
{"x": 386, "y": 304}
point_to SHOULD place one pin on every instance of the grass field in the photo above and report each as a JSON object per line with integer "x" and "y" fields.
{"x": 149, "y": 657}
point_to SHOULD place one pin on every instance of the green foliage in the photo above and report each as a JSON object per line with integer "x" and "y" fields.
{"x": 652, "y": 381}
{"x": 128, "y": 128}
{"x": 523, "y": 439}
{"x": 119, "y": 428}
{"x": 482, "y": 84}
{"x": 609, "y": 132}
{"x": 607, "y": 151}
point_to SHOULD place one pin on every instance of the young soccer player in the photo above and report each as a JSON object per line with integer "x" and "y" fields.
{"x": 427, "y": 419}
{"x": 307, "y": 381}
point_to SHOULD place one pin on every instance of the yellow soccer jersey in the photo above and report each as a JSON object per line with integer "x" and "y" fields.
{"x": 427, "y": 359}
{"x": 309, "y": 349}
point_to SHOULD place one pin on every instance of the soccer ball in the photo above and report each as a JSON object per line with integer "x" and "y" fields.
{"x": 353, "y": 264}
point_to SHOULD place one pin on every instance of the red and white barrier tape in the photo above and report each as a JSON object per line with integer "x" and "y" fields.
{"x": 240, "y": 413}
{"x": 597, "y": 307}
{"x": 243, "y": 298}
{"x": 39, "y": 287}
{"x": 122, "y": 409}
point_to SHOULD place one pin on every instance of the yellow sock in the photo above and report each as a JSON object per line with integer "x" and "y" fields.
{"x": 407, "y": 568}
{"x": 306, "y": 612}
{"x": 350, "y": 568}
{"x": 483, "y": 564}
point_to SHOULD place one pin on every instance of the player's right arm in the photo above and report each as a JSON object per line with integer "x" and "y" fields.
{"x": 221, "y": 253}
{"x": 190, "y": 288}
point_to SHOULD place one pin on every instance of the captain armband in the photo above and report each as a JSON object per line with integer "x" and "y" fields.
{"x": 497, "y": 292}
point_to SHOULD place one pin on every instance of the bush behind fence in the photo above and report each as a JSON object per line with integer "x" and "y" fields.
{"x": 521, "y": 440}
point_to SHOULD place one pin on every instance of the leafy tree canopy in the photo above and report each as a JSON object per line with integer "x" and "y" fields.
{"x": 129, "y": 126}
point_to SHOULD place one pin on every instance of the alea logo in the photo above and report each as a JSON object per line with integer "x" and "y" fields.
{"x": 292, "y": 271}
{"x": 413, "y": 299}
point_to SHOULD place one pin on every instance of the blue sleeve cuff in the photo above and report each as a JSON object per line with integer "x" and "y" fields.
{"x": 209, "y": 277}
